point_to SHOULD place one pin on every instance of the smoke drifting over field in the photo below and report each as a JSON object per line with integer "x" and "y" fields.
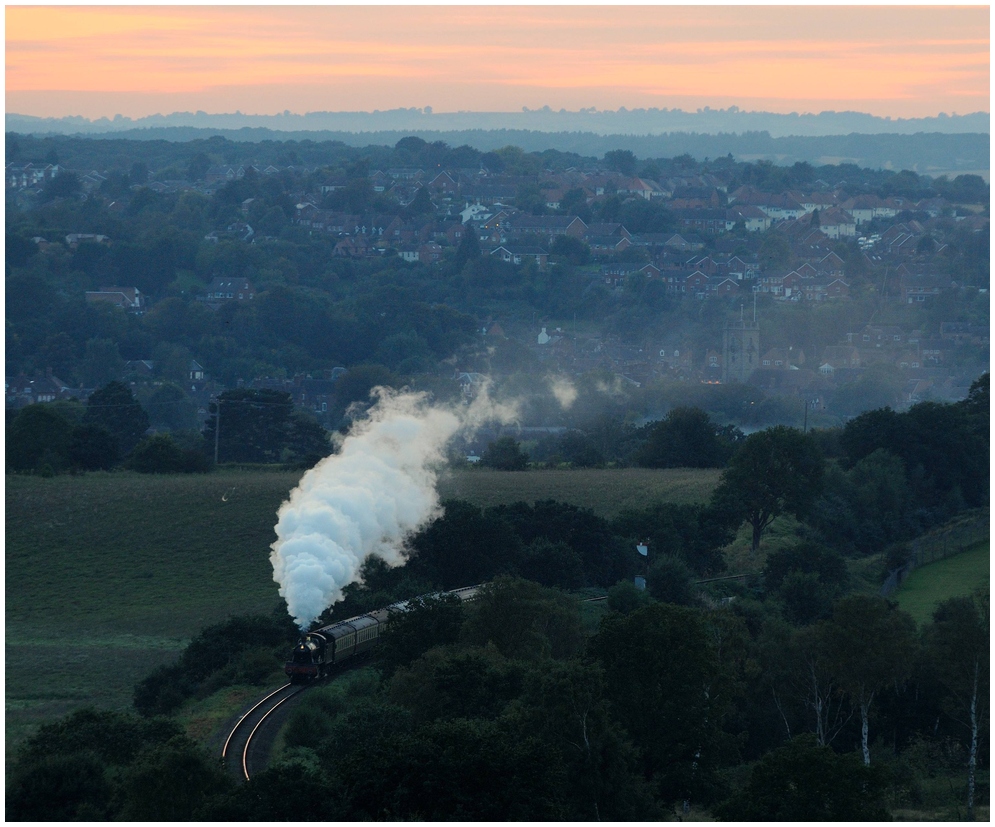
{"x": 377, "y": 491}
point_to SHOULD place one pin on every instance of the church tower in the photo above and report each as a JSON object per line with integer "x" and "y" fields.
{"x": 740, "y": 349}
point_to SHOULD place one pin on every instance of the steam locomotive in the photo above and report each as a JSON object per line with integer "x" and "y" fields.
{"x": 317, "y": 651}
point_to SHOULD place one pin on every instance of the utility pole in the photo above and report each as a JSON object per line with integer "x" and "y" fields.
{"x": 217, "y": 427}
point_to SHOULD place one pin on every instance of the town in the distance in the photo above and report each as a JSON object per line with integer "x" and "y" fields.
{"x": 823, "y": 290}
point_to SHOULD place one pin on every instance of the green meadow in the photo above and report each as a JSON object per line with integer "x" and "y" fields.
{"x": 109, "y": 574}
{"x": 606, "y": 492}
{"x": 957, "y": 576}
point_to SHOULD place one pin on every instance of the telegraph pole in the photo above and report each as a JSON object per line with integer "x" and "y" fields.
{"x": 217, "y": 427}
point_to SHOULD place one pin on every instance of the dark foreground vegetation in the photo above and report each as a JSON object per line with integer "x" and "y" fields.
{"x": 509, "y": 709}
{"x": 795, "y": 693}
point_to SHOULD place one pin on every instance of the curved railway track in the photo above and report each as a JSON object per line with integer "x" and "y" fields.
{"x": 246, "y": 748}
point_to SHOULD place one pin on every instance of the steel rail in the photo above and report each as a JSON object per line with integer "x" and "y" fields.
{"x": 244, "y": 719}
{"x": 248, "y": 741}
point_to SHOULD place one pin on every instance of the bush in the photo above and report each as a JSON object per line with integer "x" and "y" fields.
{"x": 505, "y": 454}
{"x": 809, "y": 558}
{"x": 670, "y": 581}
{"x": 802, "y": 781}
{"x": 223, "y": 654}
{"x": 92, "y": 448}
{"x": 625, "y": 597}
{"x": 553, "y": 564}
{"x": 158, "y": 454}
{"x": 38, "y": 436}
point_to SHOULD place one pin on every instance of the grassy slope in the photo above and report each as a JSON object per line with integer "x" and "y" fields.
{"x": 108, "y": 575}
{"x": 956, "y": 576}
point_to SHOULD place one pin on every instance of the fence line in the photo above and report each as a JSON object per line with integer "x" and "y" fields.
{"x": 962, "y": 533}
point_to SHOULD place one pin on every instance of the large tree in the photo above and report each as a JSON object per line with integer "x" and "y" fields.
{"x": 115, "y": 408}
{"x": 664, "y": 680}
{"x": 685, "y": 438}
{"x": 464, "y": 547}
{"x": 773, "y": 472}
{"x": 38, "y": 436}
{"x": 958, "y": 644}
{"x": 505, "y": 454}
{"x": 869, "y": 644}
{"x": 255, "y": 425}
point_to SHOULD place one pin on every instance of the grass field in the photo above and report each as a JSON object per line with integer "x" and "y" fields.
{"x": 109, "y": 574}
{"x": 605, "y": 492}
{"x": 956, "y": 576}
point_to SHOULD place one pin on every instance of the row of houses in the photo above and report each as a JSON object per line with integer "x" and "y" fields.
{"x": 860, "y": 208}
{"x": 778, "y": 371}
{"x": 29, "y": 175}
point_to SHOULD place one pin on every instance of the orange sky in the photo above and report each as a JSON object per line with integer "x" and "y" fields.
{"x": 902, "y": 61}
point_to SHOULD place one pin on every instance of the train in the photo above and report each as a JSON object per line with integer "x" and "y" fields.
{"x": 319, "y": 650}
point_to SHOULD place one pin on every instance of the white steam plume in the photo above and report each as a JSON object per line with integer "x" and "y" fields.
{"x": 368, "y": 498}
{"x": 564, "y": 390}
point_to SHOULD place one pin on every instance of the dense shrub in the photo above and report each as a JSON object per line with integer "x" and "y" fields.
{"x": 159, "y": 454}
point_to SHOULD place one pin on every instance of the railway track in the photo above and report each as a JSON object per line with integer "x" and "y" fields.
{"x": 246, "y": 748}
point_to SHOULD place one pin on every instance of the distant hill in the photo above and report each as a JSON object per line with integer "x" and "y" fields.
{"x": 621, "y": 122}
{"x": 933, "y": 153}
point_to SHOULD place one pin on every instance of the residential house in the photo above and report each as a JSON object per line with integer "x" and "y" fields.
{"x": 831, "y": 264}
{"x": 754, "y": 219}
{"x": 409, "y": 174}
{"x": 25, "y": 176}
{"x": 334, "y": 184}
{"x": 918, "y": 289}
{"x": 430, "y": 252}
{"x": 516, "y": 254}
{"x": 91, "y": 181}
{"x": 864, "y": 208}
{"x": 722, "y": 287}
{"x": 822, "y": 289}
{"x": 127, "y": 298}
{"x": 224, "y": 173}
{"x": 682, "y": 243}
{"x": 777, "y": 206}
{"x": 356, "y": 246}
{"x": 443, "y": 184}
{"x": 964, "y": 332}
{"x": 230, "y": 289}
{"x": 607, "y": 245}
{"x": 695, "y": 284}
{"x": 139, "y": 368}
{"x": 836, "y": 224}
{"x": 614, "y": 275}
{"x": 547, "y": 226}
{"x": 476, "y": 212}
{"x": 641, "y": 187}
{"x": 841, "y": 356}
{"x": 704, "y": 222}
{"x": 24, "y": 390}
{"x": 73, "y": 240}
{"x": 607, "y": 230}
